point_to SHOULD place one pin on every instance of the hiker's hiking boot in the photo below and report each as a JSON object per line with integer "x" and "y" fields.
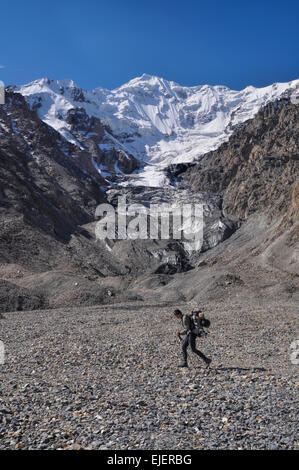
{"x": 208, "y": 362}
{"x": 183, "y": 364}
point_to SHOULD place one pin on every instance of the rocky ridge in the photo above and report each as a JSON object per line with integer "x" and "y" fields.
{"x": 258, "y": 167}
{"x": 50, "y": 190}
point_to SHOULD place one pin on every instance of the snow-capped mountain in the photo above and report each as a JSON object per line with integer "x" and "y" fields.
{"x": 154, "y": 120}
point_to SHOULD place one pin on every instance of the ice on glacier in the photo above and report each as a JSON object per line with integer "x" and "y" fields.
{"x": 159, "y": 122}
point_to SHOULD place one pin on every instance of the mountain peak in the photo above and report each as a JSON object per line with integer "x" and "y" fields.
{"x": 48, "y": 83}
{"x": 157, "y": 121}
{"x": 141, "y": 80}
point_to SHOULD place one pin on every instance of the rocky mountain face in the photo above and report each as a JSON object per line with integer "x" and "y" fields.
{"x": 258, "y": 168}
{"x": 89, "y": 133}
{"x": 43, "y": 176}
{"x": 47, "y": 185}
{"x": 52, "y": 179}
{"x": 48, "y": 192}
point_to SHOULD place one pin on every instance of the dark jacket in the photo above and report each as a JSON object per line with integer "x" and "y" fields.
{"x": 188, "y": 324}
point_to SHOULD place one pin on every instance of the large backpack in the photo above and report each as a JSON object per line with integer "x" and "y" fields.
{"x": 198, "y": 325}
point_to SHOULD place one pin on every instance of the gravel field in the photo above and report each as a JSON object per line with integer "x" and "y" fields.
{"x": 106, "y": 377}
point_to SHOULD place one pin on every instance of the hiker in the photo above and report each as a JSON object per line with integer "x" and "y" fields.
{"x": 193, "y": 326}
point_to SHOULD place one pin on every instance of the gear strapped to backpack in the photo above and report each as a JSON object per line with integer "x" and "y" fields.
{"x": 198, "y": 325}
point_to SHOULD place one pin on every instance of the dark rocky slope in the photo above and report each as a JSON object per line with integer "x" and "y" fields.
{"x": 258, "y": 167}
{"x": 256, "y": 174}
{"x": 43, "y": 177}
{"x": 49, "y": 190}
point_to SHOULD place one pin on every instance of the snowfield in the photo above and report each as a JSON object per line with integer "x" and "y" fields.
{"x": 157, "y": 121}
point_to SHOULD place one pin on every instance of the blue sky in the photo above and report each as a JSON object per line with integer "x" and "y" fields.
{"x": 107, "y": 43}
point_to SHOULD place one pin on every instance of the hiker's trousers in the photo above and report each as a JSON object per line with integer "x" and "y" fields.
{"x": 190, "y": 339}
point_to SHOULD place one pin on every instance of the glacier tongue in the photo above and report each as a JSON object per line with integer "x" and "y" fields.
{"x": 157, "y": 121}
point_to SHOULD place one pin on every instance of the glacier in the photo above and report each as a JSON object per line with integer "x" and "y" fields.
{"x": 157, "y": 121}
